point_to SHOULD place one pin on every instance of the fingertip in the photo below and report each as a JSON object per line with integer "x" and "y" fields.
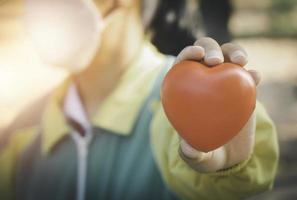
{"x": 200, "y": 51}
{"x": 256, "y": 75}
{"x": 213, "y": 57}
{"x": 187, "y": 150}
{"x": 238, "y": 57}
{"x": 190, "y": 53}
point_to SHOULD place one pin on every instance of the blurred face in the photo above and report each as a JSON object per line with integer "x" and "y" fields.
{"x": 67, "y": 33}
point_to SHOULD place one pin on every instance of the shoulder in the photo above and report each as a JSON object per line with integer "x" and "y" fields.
{"x": 30, "y": 115}
{"x": 25, "y": 123}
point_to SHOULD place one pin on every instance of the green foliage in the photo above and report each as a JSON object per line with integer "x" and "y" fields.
{"x": 283, "y": 5}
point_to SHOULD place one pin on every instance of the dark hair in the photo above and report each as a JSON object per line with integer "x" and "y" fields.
{"x": 170, "y": 35}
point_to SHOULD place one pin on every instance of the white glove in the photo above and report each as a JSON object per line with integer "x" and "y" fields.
{"x": 241, "y": 146}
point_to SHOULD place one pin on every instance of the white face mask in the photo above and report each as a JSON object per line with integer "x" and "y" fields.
{"x": 66, "y": 33}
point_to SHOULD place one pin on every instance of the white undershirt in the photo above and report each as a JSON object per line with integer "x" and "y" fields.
{"x": 73, "y": 109}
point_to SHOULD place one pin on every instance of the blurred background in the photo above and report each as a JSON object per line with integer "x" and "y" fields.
{"x": 267, "y": 29}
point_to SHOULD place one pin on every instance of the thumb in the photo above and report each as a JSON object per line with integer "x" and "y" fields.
{"x": 255, "y": 75}
{"x": 189, "y": 153}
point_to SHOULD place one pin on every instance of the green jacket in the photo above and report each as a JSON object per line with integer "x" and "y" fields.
{"x": 133, "y": 153}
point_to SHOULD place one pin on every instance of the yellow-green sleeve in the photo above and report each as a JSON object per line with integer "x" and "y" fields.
{"x": 10, "y": 150}
{"x": 250, "y": 177}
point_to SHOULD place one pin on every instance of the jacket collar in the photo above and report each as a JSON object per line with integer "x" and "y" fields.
{"x": 119, "y": 111}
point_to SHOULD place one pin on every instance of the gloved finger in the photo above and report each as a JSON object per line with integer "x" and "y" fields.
{"x": 190, "y": 53}
{"x": 256, "y": 76}
{"x": 213, "y": 52}
{"x": 234, "y": 53}
{"x": 189, "y": 153}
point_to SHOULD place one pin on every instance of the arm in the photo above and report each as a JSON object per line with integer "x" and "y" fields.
{"x": 244, "y": 166}
{"x": 249, "y": 177}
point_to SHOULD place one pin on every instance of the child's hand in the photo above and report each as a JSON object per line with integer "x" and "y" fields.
{"x": 241, "y": 146}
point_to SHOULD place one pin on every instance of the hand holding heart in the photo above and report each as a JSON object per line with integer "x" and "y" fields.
{"x": 219, "y": 101}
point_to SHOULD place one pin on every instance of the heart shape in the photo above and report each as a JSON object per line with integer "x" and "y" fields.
{"x": 208, "y": 106}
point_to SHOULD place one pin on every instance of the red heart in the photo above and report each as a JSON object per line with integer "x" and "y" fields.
{"x": 208, "y": 105}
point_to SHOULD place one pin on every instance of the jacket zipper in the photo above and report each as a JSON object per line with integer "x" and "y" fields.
{"x": 82, "y": 147}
